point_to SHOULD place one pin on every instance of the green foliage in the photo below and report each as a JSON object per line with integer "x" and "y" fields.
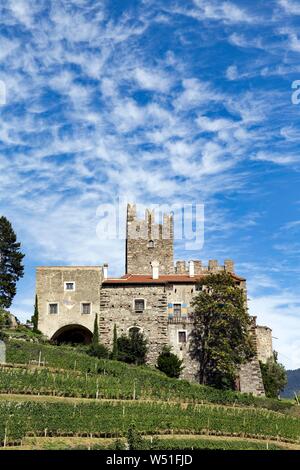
{"x": 115, "y": 379}
{"x": 5, "y": 321}
{"x": 274, "y": 376}
{"x": 95, "y": 339}
{"x": 106, "y": 418}
{"x": 205, "y": 443}
{"x": 220, "y": 339}
{"x": 134, "y": 439}
{"x": 98, "y": 350}
{"x": 11, "y": 263}
{"x": 132, "y": 348}
{"x": 35, "y": 316}
{"x": 115, "y": 352}
{"x": 169, "y": 363}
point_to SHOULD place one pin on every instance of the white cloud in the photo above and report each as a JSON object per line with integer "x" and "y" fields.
{"x": 223, "y": 11}
{"x": 151, "y": 80}
{"x": 279, "y": 159}
{"x": 290, "y": 7}
{"x": 232, "y": 72}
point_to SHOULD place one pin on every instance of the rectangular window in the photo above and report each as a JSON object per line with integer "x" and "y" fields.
{"x": 69, "y": 286}
{"x": 86, "y": 308}
{"x": 182, "y": 336}
{"x": 53, "y": 308}
{"x": 139, "y": 305}
{"x": 177, "y": 310}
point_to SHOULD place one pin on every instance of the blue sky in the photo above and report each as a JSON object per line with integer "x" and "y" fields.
{"x": 157, "y": 102}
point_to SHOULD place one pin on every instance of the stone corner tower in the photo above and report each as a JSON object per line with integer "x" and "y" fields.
{"x": 148, "y": 241}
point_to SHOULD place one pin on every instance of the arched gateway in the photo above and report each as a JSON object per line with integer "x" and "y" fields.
{"x": 74, "y": 334}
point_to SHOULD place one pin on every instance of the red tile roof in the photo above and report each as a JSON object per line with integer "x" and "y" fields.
{"x": 163, "y": 279}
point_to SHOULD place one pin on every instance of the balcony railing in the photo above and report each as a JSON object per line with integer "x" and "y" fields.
{"x": 174, "y": 319}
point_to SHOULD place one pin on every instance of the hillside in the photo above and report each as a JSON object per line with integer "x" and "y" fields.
{"x": 293, "y": 385}
{"x": 58, "y": 397}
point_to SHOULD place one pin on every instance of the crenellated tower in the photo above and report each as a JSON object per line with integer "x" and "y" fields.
{"x": 148, "y": 241}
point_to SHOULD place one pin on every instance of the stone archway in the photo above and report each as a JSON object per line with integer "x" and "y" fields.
{"x": 73, "y": 334}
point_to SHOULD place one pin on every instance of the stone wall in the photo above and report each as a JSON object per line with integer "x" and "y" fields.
{"x": 50, "y": 287}
{"x": 147, "y": 241}
{"x": 264, "y": 343}
{"x": 117, "y": 307}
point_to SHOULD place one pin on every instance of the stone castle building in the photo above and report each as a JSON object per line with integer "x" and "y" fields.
{"x": 153, "y": 295}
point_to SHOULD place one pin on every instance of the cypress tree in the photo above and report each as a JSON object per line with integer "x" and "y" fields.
{"x": 115, "y": 344}
{"x": 11, "y": 266}
{"x": 35, "y": 316}
{"x": 95, "y": 340}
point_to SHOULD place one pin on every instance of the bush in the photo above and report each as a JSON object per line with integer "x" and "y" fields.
{"x": 274, "y": 376}
{"x": 169, "y": 363}
{"x": 98, "y": 350}
{"x": 133, "y": 348}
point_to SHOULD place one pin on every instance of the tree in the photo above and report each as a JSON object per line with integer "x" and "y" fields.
{"x": 35, "y": 316}
{"x": 220, "y": 338}
{"x": 95, "y": 339}
{"x": 169, "y": 363}
{"x": 274, "y": 376}
{"x": 11, "y": 263}
{"x": 132, "y": 348}
{"x": 114, "y": 354}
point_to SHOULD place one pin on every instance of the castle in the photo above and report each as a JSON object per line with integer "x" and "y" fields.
{"x": 153, "y": 295}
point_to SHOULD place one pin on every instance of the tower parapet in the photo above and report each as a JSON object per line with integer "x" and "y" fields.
{"x": 147, "y": 241}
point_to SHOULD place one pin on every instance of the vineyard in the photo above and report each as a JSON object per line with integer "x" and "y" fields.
{"x": 38, "y": 377}
{"x": 112, "y": 419}
{"x": 88, "y": 377}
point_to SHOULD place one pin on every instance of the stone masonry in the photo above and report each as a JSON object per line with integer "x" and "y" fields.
{"x": 147, "y": 241}
{"x": 154, "y": 295}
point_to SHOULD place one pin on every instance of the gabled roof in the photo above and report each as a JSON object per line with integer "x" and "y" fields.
{"x": 163, "y": 279}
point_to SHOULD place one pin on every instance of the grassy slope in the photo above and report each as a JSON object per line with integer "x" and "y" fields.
{"x": 77, "y": 374}
{"x": 115, "y": 379}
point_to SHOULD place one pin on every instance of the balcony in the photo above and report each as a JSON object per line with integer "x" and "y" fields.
{"x": 179, "y": 319}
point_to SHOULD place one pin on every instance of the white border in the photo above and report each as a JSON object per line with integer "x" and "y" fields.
{"x": 69, "y": 290}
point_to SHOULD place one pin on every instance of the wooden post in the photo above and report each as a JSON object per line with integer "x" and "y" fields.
{"x": 40, "y": 356}
{"x": 5, "y": 436}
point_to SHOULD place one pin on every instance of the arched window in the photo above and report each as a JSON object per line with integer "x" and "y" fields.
{"x": 150, "y": 244}
{"x": 134, "y": 329}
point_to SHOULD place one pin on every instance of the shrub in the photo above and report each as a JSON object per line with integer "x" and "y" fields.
{"x": 274, "y": 376}
{"x": 98, "y": 350}
{"x": 133, "y": 348}
{"x": 169, "y": 363}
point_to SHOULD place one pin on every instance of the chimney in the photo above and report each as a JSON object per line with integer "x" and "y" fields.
{"x": 191, "y": 269}
{"x": 155, "y": 269}
{"x": 105, "y": 270}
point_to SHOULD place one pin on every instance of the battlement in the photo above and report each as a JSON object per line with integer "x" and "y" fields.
{"x": 147, "y": 228}
{"x": 183, "y": 267}
{"x": 148, "y": 241}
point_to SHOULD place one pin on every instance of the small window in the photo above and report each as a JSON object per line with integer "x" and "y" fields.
{"x": 177, "y": 310}
{"x": 150, "y": 244}
{"x": 86, "y": 308}
{"x": 182, "y": 336}
{"x": 53, "y": 308}
{"x": 139, "y": 305}
{"x": 69, "y": 286}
